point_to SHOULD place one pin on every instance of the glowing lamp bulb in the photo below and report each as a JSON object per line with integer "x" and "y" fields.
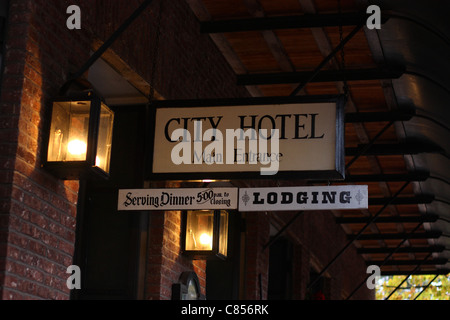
{"x": 205, "y": 239}
{"x": 76, "y": 147}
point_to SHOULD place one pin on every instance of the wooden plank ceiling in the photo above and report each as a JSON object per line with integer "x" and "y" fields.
{"x": 276, "y": 51}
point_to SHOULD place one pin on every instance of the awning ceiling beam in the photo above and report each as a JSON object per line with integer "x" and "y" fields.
{"x": 419, "y": 199}
{"x": 286, "y": 22}
{"x": 393, "y": 236}
{"x": 401, "y": 250}
{"x": 390, "y": 219}
{"x": 394, "y": 149}
{"x": 322, "y": 76}
{"x": 356, "y": 117}
{"x": 412, "y": 176}
{"x": 436, "y": 261}
{"x": 420, "y": 272}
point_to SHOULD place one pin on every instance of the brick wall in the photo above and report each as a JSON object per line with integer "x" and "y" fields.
{"x": 165, "y": 263}
{"x": 256, "y": 259}
{"x": 38, "y": 212}
{"x": 317, "y": 239}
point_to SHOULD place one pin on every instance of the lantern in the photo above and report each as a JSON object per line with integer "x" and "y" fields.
{"x": 80, "y": 137}
{"x": 205, "y": 234}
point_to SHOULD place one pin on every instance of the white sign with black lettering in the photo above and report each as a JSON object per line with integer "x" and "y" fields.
{"x": 177, "y": 199}
{"x": 248, "y": 138}
{"x": 303, "y": 198}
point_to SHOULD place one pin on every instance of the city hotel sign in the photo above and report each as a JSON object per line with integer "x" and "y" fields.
{"x": 294, "y": 137}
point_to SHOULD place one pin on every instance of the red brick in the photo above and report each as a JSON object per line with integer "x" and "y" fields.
{"x": 66, "y": 247}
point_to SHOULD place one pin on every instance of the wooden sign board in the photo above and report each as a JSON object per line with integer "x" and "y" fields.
{"x": 177, "y": 199}
{"x": 303, "y": 198}
{"x": 310, "y": 138}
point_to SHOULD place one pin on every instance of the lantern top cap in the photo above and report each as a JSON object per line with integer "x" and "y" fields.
{"x": 81, "y": 96}
{"x": 79, "y": 89}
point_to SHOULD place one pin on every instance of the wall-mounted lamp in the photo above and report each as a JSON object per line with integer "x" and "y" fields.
{"x": 205, "y": 234}
{"x": 80, "y": 137}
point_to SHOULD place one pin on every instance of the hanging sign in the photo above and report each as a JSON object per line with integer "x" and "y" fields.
{"x": 303, "y": 198}
{"x": 177, "y": 199}
{"x": 299, "y": 137}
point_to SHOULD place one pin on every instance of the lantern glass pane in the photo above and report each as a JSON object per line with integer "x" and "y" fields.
{"x": 69, "y": 131}
{"x": 223, "y": 233}
{"x": 199, "y": 230}
{"x": 105, "y": 129}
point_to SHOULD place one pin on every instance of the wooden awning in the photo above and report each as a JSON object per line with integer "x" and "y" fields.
{"x": 396, "y": 133}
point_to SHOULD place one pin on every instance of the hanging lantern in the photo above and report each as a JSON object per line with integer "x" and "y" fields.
{"x": 205, "y": 234}
{"x": 80, "y": 137}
